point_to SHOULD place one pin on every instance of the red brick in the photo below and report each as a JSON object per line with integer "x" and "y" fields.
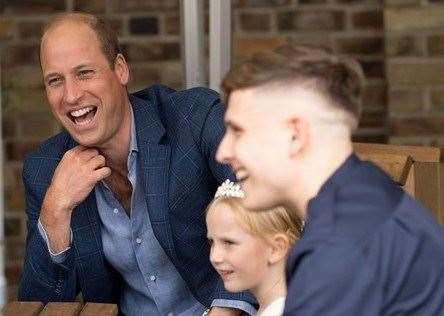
{"x": 260, "y": 3}
{"x": 33, "y": 7}
{"x": 153, "y": 51}
{"x": 24, "y": 54}
{"x": 172, "y": 24}
{"x": 9, "y": 126}
{"x": 34, "y": 100}
{"x": 146, "y": 25}
{"x": 403, "y": 45}
{"x": 37, "y": 125}
{"x": 30, "y": 30}
{"x": 245, "y": 47}
{"x": 374, "y": 95}
{"x": 13, "y": 226}
{"x": 406, "y": 101}
{"x": 12, "y": 273}
{"x": 14, "y": 199}
{"x": 6, "y": 30}
{"x": 143, "y": 76}
{"x": 361, "y": 45}
{"x": 17, "y": 151}
{"x": 435, "y": 45}
{"x": 255, "y": 22}
{"x": 418, "y": 126}
{"x": 172, "y": 75}
{"x": 144, "y": 5}
{"x": 414, "y": 18}
{"x": 95, "y": 7}
{"x": 437, "y": 100}
{"x": 15, "y": 250}
{"x": 22, "y": 77}
{"x": 373, "y": 119}
{"x": 373, "y": 68}
{"x": 116, "y": 24}
{"x": 371, "y": 138}
{"x": 416, "y": 73}
{"x": 311, "y": 20}
{"x": 312, "y": 1}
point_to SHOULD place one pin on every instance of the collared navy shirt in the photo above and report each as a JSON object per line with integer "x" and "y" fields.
{"x": 368, "y": 249}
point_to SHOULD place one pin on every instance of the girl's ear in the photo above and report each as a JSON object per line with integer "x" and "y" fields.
{"x": 280, "y": 245}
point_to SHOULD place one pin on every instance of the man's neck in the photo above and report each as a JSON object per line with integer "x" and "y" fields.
{"x": 116, "y": 152}
{"x": 319, "y": 165}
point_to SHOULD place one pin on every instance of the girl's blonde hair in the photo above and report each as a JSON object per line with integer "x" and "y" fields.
{"x": 265, "y": 223}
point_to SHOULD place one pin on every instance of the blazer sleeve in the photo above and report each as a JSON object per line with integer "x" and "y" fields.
{"x": 42, "y": 279}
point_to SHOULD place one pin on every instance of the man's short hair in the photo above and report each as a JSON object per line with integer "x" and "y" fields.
{"x": 104, "y": 32}
{"x": 338, "y": 77}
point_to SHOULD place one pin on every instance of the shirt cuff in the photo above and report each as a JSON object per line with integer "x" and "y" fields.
{"x": 243, "y": 306}
{"x": 60, "y": 256}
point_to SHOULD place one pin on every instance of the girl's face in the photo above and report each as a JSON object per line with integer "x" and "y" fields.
{"x": 240, "y": 258}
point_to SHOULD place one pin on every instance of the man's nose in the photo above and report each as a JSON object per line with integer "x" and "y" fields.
{"x": 72, "y": 91}
{"x": 224, "y": 152}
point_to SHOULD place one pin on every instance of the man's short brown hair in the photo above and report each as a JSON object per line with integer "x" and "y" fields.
{"x": 337, "y": 77}
{"x": 109, "y": 43}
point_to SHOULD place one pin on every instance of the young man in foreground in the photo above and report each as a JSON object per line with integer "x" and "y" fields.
{"x": 368, "y": 248}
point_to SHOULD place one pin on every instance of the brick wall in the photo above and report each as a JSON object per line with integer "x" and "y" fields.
{"x": 415, "y": 65}
{"x": 150, "y": 35}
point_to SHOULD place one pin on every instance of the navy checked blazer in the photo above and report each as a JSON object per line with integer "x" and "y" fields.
{"x": 177, "y": 136}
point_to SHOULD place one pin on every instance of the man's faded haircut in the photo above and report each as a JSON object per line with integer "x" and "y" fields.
{"x": 104, "y": 32}
{"x": 338, "y": 77}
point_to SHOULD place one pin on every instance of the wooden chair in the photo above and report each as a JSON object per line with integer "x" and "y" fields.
{"x": 56, "y": 309}
{"x": 418, "y": 170}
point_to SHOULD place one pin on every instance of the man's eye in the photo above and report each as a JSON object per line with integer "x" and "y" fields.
{"x": 54, "y": 81}
{"x": 86, "y": 73}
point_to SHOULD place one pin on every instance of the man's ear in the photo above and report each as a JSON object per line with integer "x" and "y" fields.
{"x": 121, "y": 69}
{"x": 280, "y": 245}
{"x": 299, "y": 132}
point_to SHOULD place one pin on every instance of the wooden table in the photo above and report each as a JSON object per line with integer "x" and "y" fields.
{"x": 55, "y": 309}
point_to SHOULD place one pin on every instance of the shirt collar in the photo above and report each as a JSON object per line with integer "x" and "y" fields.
{"x": 133, "y": 139}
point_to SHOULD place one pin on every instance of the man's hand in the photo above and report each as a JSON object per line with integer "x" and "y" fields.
{"x": 74, "y": 178}
{"x": 223, "y": 311}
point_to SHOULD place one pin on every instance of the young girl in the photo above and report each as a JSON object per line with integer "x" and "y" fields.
{"x": 249, "y": 249}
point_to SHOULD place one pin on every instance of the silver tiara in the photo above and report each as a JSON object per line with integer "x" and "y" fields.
{"x": 229, "y": 189}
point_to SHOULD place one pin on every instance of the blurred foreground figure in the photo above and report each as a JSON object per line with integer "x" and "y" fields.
{"x": 368, "y": 248}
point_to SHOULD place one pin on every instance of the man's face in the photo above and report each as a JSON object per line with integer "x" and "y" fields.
{"x": 239, "y": 257}
{"x": 256, "y": 145}
{"x": 86, "y": 96}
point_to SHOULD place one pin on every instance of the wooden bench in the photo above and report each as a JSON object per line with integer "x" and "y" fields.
{"x": 55, "y": 309}
{"x": 418, "y": 170}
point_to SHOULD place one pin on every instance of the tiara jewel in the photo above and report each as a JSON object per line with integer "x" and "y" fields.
{"x": 229, "y": 189}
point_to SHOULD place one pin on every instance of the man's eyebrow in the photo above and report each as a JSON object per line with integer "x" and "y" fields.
{"x": 79, "y": 67}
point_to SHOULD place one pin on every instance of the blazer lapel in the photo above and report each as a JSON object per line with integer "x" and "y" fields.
{"x": 154, "y": 158}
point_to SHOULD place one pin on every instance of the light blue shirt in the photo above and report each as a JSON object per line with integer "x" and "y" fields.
{"x": 152, "y": 285}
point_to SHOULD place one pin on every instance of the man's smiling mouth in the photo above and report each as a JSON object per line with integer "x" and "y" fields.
{"x": 83, "y": 116}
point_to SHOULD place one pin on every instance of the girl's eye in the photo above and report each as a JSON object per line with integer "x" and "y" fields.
{"x": 229, "y": 242}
